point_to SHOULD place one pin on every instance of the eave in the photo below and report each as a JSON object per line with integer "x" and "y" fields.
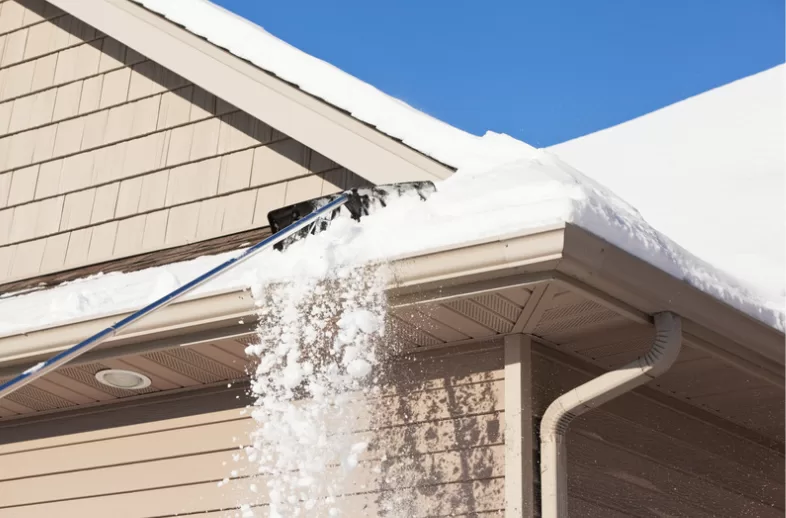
{"x": 565, "y": 255}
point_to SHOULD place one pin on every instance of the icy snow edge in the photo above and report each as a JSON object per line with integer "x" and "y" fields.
{"x": 471, "y": 206}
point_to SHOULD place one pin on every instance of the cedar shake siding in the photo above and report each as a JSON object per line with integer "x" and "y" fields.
{"x": 436, "y": 449}
{"x": 105, "y": 155}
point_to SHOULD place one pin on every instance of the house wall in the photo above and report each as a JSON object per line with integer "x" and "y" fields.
{"x": 438, "y": 424}
{"x": 636, "y": 457}
{"x": 105, "y": 154}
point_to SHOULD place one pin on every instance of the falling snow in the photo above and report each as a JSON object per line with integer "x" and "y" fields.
{"x": 315, "y": 361}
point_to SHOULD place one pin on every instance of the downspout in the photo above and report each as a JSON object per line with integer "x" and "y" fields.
{"x": 564, "y": 409}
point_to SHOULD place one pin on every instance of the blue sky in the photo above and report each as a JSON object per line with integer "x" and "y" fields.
{"x": 542, "y": 71}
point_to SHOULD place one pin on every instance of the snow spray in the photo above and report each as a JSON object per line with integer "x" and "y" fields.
{"x": 315, "y": 359}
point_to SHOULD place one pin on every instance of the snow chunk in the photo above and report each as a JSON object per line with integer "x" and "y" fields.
{"x": 359, "y": 368}
{"x": 351, "y": 460}
{"x": 315, "y": 352}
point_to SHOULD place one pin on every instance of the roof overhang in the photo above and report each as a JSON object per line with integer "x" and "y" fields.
{"x": 566, "y": 255}
{"x": 313, "y": 122}
{"x": 579, "y": 298}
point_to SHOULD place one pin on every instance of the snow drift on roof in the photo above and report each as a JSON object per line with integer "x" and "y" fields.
{"x": 502, "y": 187}
{"x": 709, "y": 172}
{"x": 516, "y": 198}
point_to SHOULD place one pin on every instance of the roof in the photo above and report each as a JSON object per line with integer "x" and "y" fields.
{"x": 364, "y": 102}
{"x": 214, "y": 246}
{"x": 516, "y": 199}
{"x": 709, "y": 172}
{"x": 503, "y": 187}
{"x": 680, "y": 142}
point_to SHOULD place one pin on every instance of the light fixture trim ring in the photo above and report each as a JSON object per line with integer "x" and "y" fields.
{"x": 104, "y": 377}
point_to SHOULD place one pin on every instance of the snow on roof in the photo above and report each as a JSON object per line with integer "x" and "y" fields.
{"x": 709, "y": 172}
{"x": 389, "y": 115}
{"x": 502, "y": 187}
{"x": 512, "y": 199}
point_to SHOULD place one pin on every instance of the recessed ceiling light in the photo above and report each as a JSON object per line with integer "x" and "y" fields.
{"x": 126, "y": 380}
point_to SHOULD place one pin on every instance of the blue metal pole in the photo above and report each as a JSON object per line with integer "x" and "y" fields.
{"x": 82, "y": 347}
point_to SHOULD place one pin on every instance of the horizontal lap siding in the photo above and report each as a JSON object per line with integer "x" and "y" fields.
{"x": 436, "y": 448}
{"x": 105, "y": 154}
{"x": 637, "y": 458}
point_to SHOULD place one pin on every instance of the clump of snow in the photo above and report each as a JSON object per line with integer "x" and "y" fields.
{"x": 315, "y": 360}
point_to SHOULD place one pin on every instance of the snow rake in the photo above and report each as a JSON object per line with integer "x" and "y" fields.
{"x": 288, "y": 224}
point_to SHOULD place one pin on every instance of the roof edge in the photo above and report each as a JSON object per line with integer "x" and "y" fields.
{"x": 536, "y": 252}
{"x": 609, "y": 270}
{"x": 313, "y": 122}
{"x": 567, "y": 255}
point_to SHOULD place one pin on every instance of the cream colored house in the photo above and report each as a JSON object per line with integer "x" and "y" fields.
{"x": 127, "y": 141}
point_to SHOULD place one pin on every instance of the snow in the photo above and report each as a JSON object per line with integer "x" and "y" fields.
{"x": 709, "y": 172}
{"x": 35, "y": 368}
{"x": 717, "y": 157}
{"x": 505, "y": 187}
{"x": 317, "y": 342}
{"x": 389, "y": 115}
{"x": 528, "y": 194}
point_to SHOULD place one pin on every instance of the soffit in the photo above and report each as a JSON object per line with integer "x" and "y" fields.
{"x": 566, "y": 320}
{"x": 448, "y": 298}
{"x": 613, "y": 273}
{"x": 557, "y": 316}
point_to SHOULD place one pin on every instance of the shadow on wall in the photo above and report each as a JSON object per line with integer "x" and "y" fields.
{"x": 438, "y": 434}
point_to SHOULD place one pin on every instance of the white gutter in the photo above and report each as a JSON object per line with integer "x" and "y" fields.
{"x": 520, "y": 254}
{"x": 564, "y": 409}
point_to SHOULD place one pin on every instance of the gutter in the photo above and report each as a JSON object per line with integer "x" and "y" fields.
{"x": 532, "y": 253}
{"x": 213, "y": 312}
{"x": 563, "y": 410}
{"x": 557, "y": 253}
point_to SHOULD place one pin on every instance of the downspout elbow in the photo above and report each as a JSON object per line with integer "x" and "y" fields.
{"x": 563, "y": 410}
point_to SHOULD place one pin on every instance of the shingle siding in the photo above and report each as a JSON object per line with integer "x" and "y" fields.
{"x": 435, "y": 434}
{"x": 106, "y": 154}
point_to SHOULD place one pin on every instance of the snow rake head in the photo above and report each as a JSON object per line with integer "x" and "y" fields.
{"x": 360, "y": 202}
